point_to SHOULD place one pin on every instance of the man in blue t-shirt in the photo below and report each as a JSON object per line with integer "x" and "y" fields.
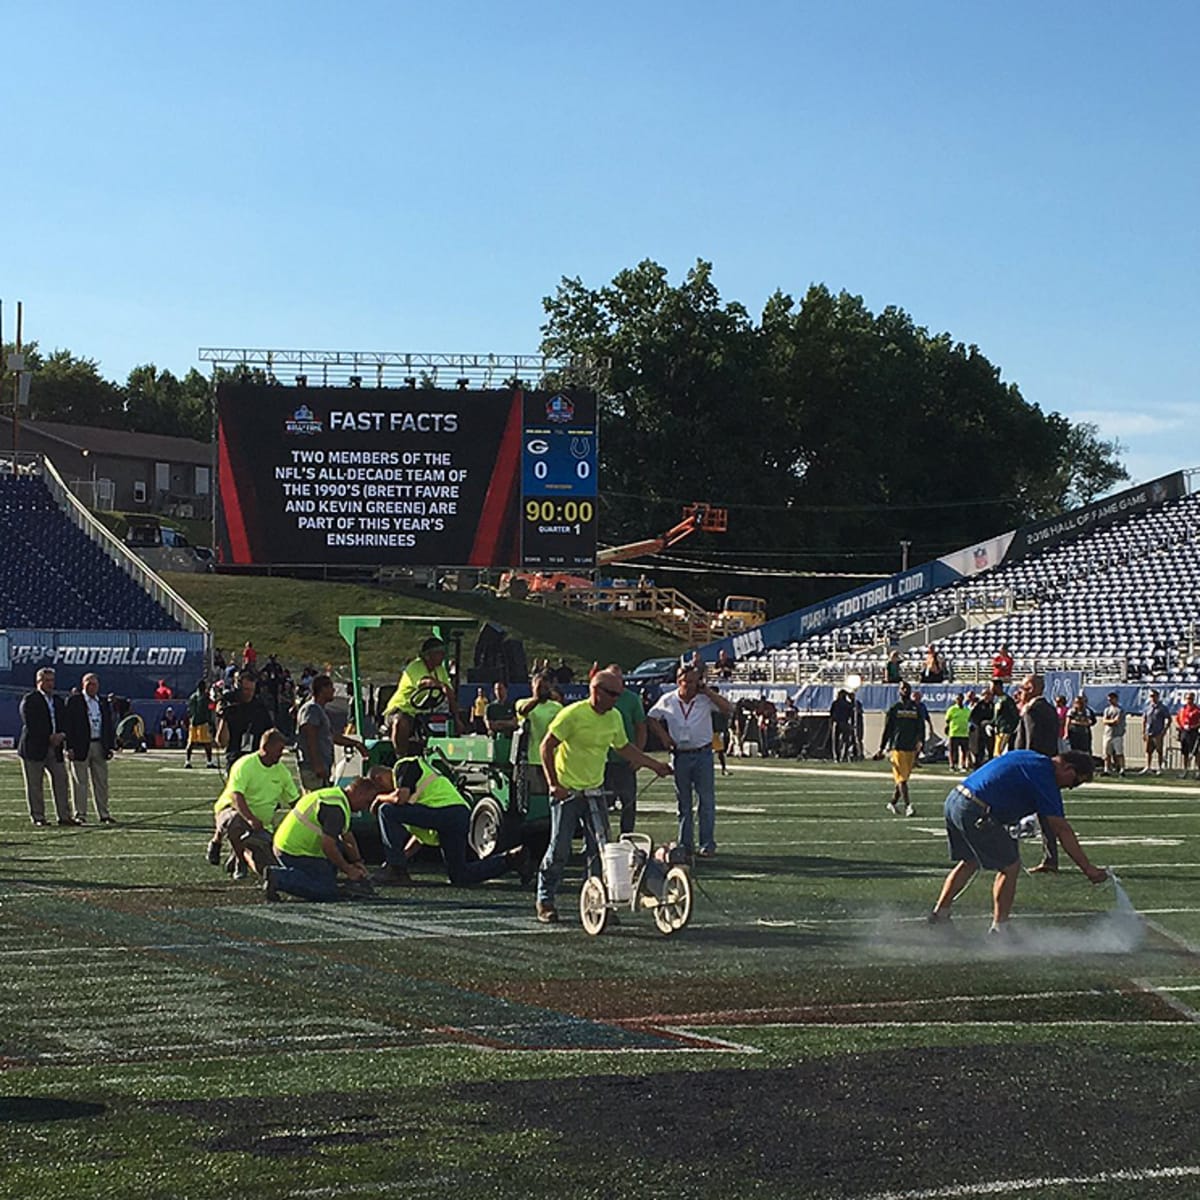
{"x": 981, "y": 808}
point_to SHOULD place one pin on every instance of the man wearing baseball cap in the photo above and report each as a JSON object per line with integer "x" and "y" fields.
{"x": 423, "y": 684}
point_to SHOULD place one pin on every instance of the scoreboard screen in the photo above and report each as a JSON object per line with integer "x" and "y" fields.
{"x": 405, "y": 476}
{"x": 559, "y": 481}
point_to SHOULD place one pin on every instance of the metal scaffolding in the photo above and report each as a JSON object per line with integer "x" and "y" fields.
{"x": 372, "y": 368}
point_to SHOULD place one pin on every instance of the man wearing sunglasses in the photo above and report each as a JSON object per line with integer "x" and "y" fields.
{"x": 981, "y": 809}
{"x": 574, "y": 752}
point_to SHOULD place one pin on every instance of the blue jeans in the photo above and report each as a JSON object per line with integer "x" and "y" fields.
{"x": 307, "y": 877}
{"x": 694, "y": 773}
{"x": 564, "y": 816}
{"x": 451, "y": 823}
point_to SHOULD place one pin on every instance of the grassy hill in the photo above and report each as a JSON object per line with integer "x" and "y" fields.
{"x": 297, "y": 620}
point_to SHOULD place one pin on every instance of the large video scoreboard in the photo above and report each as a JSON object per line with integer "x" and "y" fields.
{"x": 406, "y": 476}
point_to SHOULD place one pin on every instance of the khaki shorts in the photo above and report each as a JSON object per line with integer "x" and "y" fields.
{"x": 200, "y": 735}
{"x": 902, "y": 764}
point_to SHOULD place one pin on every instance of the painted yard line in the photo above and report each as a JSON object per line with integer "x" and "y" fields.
{"x": 1162, "y": 931}
{"x": 1005, "y": 1187}
{"x": 740, "y": 1016}
{"x": 1184, "y": 1010}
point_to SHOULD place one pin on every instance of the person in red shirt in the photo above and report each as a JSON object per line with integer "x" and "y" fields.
{"x": 1187, "y": 719}
{"x": 162, "y": 692}
{"x": 1002, "y": 664}
{"x": 249, "y": 656}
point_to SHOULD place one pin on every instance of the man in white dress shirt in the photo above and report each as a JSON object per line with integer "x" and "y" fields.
{"x": 91, "y": 739}
{"x": 683, "y": 720}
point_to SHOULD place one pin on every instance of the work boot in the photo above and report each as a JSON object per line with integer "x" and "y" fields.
{"x": 547, "y": 914}
{"x": 270, "y": 891}
{"x": 213, "y": 853}
{"x": 390, "y": 875}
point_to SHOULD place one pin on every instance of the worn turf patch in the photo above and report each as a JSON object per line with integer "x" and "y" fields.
{"x": 897, "y": 1119}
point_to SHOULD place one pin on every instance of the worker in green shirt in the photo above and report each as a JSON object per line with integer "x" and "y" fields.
{"x": 903, "y": 735}
{"x": 958, "y": 730}
{"x": 535, "y": 715}
{"x": 423, "y": 687}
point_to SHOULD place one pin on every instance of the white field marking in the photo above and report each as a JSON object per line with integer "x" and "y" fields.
{"x": 1162, "y": 931}
{"x": 378, "y": 1189}
{"x": 742, "y": 1015}
{"x": 1164, "y": 994}
{"x": 1005, "y": 1187}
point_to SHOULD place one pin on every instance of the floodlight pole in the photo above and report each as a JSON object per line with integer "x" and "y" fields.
{"x": 904, "y": 548}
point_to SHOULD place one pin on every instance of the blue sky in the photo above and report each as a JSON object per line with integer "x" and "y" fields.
{"x": 415, "y": 177}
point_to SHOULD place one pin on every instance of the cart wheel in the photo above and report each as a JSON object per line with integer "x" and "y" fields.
{"x": 486, "y": 819}
{"x": 593, "y": 905}
{"x": 675, "y": 908}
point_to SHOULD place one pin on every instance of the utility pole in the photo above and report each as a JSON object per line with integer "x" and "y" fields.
{"x": 16, "y": 365}
{"x": 904, "y": 546}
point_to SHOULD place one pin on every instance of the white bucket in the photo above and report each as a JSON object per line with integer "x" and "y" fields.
{"x": 618, "y": 870}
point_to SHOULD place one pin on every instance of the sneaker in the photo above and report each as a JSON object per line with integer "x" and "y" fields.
{"x": 391, "y": 876}
{"x": 938, "y": 918}
{"x": 212, "y": 766}
{"x": 239, "y": 870}
{"x": 80, "y": 820}
{"x": 893, "y": 808}
{"x": 1044, "y": 868}
{"x": 909, "y": 811}
{"x": 707, "y": 852}
{"x": 187, "y": 766}
{"x": 108, "y": 820}
{"x": 70, "y": 821}
{"x": 547, "y": 914}
{"x": 212, "y": 854}
{"x": 1144, "y": 771}
{"x": 40, "y": 822}
{"x": 270, "y": 889}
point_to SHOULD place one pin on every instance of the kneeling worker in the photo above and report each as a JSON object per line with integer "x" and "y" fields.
{"x": 981, "y": 808}
{"x": 257, "y": 785}
{"x": 313, "y": 843}
{"x": 428, "y": 806}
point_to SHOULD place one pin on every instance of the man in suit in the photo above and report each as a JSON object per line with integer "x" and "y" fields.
{"x": 91, "y": 739}
{"x": 40, "y": 749}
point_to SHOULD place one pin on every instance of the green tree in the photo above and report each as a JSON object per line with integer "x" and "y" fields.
{"x": 66, "y": 388}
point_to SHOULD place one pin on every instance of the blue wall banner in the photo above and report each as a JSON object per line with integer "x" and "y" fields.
{"x": 128, "y": 663}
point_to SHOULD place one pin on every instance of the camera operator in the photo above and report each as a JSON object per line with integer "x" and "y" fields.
{"x": 242, "y": 718}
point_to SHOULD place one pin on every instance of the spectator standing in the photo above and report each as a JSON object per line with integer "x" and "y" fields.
{"x": 1080, "y": 720}
{"x": 724, "y": 665}
{"x": 162, "y": 692}
{"x": 958, "y": 732}
{"x": 40, "y": 749}
{"x": 891, "y": 671}
{"x": 479, "y": 707}
{"x": 1038, "y": 732}
{"x": 91, "y": 740}
{"x": 1156, "y": 716}
{"x": 1002, "y": 664}
{"x": 933, "y": 670}
{"x": 200, "y": 725}
{"x": 1061, "y": 709}
{"x": 563, "y": 674}
{"x": 501, "y": 716}
{"x": 1113, "y": 741}
{"x": 249, "y": 657}
{"x": 683, "y": 721}
{"x": 841, "y": 726}
{"x": 926, "y": 719}
{"x": 980, "y": 734}
{"x": 620, "y": 775}
{"x": 242, "y": 719}
{"x": 1187, "y": 720}
{"x": 317, "y": 739}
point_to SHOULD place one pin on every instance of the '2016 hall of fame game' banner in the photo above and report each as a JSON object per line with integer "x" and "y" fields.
{"x": 404, "y": 476}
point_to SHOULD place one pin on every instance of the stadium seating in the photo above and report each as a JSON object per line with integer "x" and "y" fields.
{"x": 1122, "y": 602}
{"x": 53, "y": 576}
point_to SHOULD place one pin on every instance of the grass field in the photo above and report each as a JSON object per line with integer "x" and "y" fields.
{"x": 166, "y": 1034}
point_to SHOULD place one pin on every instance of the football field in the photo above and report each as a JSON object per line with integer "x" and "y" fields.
{"x": 165, "y": 1033}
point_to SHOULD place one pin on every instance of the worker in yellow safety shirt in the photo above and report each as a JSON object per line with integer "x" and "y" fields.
{"x": 424, "y": 685}
{"x": 428, "y": 806}
{"x": 313, "y": 843}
